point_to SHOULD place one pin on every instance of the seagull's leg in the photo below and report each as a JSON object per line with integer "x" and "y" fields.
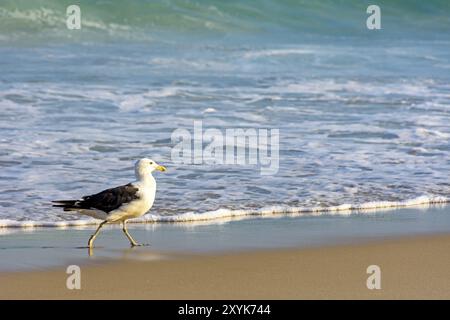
{"x": 92, "y": 238}
{"x": 132, "y": 241}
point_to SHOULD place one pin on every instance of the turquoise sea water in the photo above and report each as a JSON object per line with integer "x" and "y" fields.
{"x": 363, "y": 115}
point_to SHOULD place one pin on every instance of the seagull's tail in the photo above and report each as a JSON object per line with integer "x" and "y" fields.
{"x": 68, "y": 205}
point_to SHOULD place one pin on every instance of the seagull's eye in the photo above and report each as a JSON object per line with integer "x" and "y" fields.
{"x": 151, "y": 162}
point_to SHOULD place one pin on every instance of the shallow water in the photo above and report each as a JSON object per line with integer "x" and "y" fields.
{"x": 361, "y": 119}
{"x": 25, "y": 249}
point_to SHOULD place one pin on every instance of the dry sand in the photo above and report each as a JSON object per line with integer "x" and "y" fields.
{"x": 410, "y": 268}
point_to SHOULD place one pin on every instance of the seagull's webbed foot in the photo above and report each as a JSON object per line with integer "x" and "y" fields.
{"x": 140, "y": 245}
{"x": 133, "y": 242}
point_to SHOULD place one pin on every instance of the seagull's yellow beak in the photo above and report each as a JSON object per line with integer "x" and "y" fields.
{"x": 161, "y": 168}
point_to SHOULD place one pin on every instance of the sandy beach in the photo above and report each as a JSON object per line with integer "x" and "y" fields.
{"x": 411, "y": 268}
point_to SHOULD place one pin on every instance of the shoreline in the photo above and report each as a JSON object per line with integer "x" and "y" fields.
{"x": 39, "y": 249}
{"x": 411, "y": 268}
{"x": 225, "y": 215}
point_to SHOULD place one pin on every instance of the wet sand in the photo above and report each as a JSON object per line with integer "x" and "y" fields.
{"x": 411, "y": 268}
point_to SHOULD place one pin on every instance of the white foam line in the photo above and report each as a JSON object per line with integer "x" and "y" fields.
{"x": 344, "y": 209}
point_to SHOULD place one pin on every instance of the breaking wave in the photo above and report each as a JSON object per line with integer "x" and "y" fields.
{"x": 147, "y": 20}
{"x": 220, "y": 214}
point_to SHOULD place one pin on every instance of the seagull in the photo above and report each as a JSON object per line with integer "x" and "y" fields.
{"x": 121, "y": 203}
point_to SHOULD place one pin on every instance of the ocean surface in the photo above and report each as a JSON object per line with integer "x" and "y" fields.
{"x": 363, "y": 115}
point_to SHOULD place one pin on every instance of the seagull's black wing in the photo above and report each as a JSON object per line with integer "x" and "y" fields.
{"x": 107, "y": 200}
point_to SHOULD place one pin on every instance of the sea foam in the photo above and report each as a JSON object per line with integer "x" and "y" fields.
{"x": 265, "y": 212}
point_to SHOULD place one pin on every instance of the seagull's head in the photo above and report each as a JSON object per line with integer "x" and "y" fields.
{"x": 146, "y": 166}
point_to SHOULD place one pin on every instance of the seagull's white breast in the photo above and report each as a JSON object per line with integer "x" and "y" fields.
{"x": 138, "y": 207}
